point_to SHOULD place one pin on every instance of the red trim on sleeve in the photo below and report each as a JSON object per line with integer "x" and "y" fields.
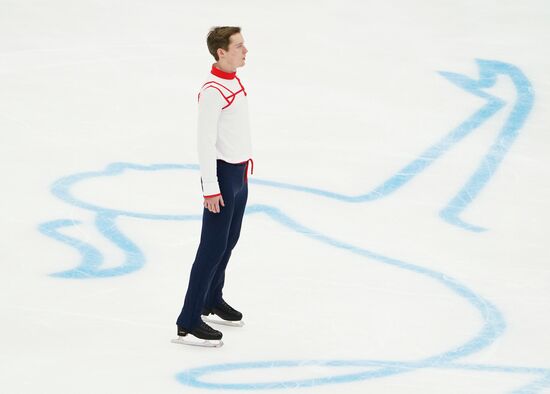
{"x": 213, "y": 195}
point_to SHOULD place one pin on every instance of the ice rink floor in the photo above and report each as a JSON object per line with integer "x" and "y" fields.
{"x": 395, "y": 238}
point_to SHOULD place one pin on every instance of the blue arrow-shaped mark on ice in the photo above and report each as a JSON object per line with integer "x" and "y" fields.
{"x": 489, "y": 70}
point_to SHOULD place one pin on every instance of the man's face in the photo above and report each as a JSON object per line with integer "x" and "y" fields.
{"x": 235, "y": 55}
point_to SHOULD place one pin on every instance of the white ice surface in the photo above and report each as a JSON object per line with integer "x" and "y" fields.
{"x": 343, "y": 95}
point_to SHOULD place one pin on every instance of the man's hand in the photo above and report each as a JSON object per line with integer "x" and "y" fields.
{"x": 213, "y": 203}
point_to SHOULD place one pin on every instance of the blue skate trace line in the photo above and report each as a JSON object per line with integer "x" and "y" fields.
{"x": 489, "y": 163}
{"x": 494, "y": 325}
{"x": 191, "y": 376}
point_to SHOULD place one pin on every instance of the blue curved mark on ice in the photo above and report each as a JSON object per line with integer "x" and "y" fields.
{"x": 192, "y": 377}
{"x": 91, "y": 257}
{"x": 489, "y": 70}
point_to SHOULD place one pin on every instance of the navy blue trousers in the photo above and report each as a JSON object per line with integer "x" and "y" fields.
{"x": 219, "y": 235}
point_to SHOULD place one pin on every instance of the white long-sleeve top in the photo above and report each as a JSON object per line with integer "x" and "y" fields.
{"x": 223, "y": 127}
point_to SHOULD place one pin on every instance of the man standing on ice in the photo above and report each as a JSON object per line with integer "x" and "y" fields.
{"x": 224, "y": 150}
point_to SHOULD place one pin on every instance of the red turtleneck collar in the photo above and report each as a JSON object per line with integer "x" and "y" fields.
{"x": 222, "y": 74}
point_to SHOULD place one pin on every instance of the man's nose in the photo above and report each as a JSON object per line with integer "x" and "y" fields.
{"x": 245, "y": 50}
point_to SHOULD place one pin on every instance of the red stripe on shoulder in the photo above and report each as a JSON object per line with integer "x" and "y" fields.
{"x": 218, "y": 89}
{"x": 230, "y": 97}
{"x": 210, "y": 83}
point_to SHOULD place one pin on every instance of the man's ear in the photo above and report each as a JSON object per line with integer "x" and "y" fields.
{"x": 220, "y": 52}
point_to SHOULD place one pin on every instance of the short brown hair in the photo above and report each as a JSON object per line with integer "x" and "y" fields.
{"x": 218, "y": 37}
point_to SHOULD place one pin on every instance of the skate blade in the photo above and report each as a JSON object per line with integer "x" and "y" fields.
{"x": 229, "y": 323}
{"x": 197, "y": 342}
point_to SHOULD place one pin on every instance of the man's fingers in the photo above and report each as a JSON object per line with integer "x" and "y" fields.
{"x": 214, "y": 204}
{"x": 213, "y": 207}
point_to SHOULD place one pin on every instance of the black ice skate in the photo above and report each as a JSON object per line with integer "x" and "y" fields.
{"x": 224, "y": 314}
{"x": 202, "y": 335}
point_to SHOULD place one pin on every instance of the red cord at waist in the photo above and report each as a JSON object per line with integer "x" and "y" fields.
{"x": 246, "y": 170}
